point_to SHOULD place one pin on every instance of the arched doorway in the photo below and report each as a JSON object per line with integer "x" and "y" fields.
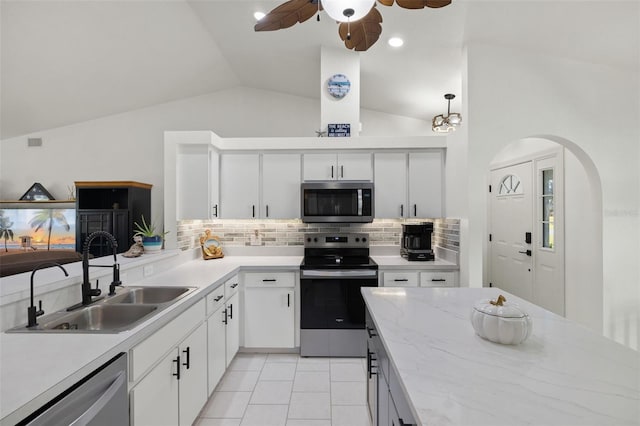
{"x": 564, "y": 208}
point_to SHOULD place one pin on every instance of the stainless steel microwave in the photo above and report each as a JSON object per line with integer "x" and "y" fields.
{"x": 337, "y": 202}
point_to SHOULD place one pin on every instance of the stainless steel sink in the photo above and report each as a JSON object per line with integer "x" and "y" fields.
{"x": 148, "y": 295}
{"x": 101, "y": 317}
{"x": 113, "y": 314}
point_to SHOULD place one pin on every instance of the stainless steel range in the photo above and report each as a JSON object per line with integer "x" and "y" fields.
{"x": 334, "y": 268}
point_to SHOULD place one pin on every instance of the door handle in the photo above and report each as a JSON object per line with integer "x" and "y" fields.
{"x": 415, "y": 210}
{"x": 342, "y": 171}
{"x": 177, "y": 373}
{"x": 224, "y": 319}
{"x": 253, "y": 210}
{"x": 267, "y": 209}
{"x": 331, "y": 172}
{"x": 528, "y": 252}
{"x": 401, "y": 210}
{"x": 231, "y": 311}
{"x": 188, "y": 353}
{"x": 288, "y": 300}
{"x": 215, "y": 211}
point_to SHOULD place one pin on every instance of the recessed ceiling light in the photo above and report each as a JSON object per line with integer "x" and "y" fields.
{"x": 259, "y": 15}
{"x": 396, "y": 42}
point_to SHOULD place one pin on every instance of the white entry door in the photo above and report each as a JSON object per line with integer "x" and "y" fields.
{"x": 511, "y": 220}
{"x": 527, "y": 230}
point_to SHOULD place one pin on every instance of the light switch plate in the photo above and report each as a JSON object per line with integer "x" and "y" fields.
{"x": 148, "y": 270}
{"x": 256, "y": 238}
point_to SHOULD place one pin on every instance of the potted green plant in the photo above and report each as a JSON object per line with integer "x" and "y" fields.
{"x": 151, "y": 240}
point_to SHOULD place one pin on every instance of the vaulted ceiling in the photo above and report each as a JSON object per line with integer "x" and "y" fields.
{"x": 64, "y": 62}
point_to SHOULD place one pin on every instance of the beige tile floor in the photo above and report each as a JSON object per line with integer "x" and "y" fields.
{"x": 289, "y": 390}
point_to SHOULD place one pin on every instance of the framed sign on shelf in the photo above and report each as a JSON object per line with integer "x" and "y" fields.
{"x": 37, "y": 192}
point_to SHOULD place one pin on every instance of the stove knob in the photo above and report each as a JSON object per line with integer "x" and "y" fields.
{"x": 358, "y": 240}
{"x": 364, "y": 239}
{"x": 315, "y": 240}
{"x": 308, "y": 239}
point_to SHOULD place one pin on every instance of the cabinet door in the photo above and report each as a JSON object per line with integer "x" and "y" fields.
{"x": 391, "y": 185}
{"x": 280, "y": 186}
{"x": 193, "y": 381}
{"x": 239, "y": 179}
{"x": 269, "y": 318}
{"x": 320, "y": 166}
{"x": 425, "y": 184}
{"x": 233, "y": 327}
{"x": 354, "y": 167}
{"x": 154, "y": 400}
{"x": 214, "y": 185}
{"x": 217, "y": 347}
{"x": 192, "y": 182}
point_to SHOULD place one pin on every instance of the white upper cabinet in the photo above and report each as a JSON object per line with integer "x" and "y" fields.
{"x": 390, "y": 185}
{"x": 239, "y": 183}
{"x": 280, "y": 186}
{"x": 408, "y": 192}
{"x": 425, "y": 184}
{"x": 343, "y": 166}
{"x": 192, "y": 182}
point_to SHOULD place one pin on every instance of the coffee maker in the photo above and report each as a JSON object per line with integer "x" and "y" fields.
{"x": 416, "y": 242}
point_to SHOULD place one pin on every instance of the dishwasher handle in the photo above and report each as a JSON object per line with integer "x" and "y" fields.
{"x": 101, "y": 402}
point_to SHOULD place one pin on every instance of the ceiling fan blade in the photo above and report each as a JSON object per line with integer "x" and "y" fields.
{"x": 287, "y": 15}
{"x": 364, "y": 32}
{"x": 386, "y": 2}
{"x": 421, "y": 4}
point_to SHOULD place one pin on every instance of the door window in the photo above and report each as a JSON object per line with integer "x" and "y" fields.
{"x": 510, "y": 185}
{"x": 548, "y": 207}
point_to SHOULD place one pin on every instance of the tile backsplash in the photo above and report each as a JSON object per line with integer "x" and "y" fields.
{"x": 290, "y": 232}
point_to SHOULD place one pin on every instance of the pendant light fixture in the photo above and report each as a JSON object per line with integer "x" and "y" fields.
{"x": 347, "y": 10}
{"x": 448, "y": 123}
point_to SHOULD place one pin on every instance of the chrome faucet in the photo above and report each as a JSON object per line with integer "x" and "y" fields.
{"x": 87, "y": 291}
{"x": 32, "y": 313}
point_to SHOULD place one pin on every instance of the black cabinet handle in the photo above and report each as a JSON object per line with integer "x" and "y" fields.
{"x": 370, "y": 332}
{"x": 215, "y": 211}
{"x": 331, "y": 172}
{"x": 231, "y": 311}
{"x": 269, "y": 280}
{"x": 234, "y": 285}
{"x": 188, "y": 353}
{"x": 401, "y": 279}
{"x": 217, "y": 299}
{"x": 177, "y": 362}
{"x": 404, "y": 424}
{"x": 267, "y": 209}
{"x": 370, "y": 359}
{"x": 253, "y": 210}
{"x": 415, "y": 210}
{"x": 288, "y": 300}
{"x": 224, "y": 313}
{"x": 341, "y": 171}
{"x": 401, "y": 210}
{"x": 438, "y": 280}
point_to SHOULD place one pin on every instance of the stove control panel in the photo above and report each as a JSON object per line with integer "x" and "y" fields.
{"x": 325, "y": 240}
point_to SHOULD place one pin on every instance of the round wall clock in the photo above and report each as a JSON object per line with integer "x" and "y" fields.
{"x": 338, "y": 86}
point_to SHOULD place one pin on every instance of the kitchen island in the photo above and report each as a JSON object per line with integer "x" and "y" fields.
{"x": 564, "y": 374}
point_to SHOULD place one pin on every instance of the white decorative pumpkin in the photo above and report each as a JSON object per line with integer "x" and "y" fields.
{"x": 501, "y": 322}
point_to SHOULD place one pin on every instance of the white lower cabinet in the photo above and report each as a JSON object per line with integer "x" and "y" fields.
{"x": 413, "y": 278}
{"x": 174, "y": 389}
{"x": 233, "y": 312}
{"x": 269, "y": 310}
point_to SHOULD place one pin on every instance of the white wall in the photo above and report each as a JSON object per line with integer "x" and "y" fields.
{"x": 513, "y": 95}
{"x": 129, "y": 146}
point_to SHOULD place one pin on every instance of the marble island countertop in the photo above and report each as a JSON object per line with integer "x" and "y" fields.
{"x": 564, "y": 374}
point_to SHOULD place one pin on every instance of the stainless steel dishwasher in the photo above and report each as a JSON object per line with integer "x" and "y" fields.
{"x": 98, "y": 399}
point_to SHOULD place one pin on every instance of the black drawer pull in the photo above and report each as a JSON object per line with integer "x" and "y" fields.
{"x": 269, "y": 280}
{"x": 370, "y": 332}
{"x": 438, "y": 280}
{"x": 217, "y": 299}
{"x": 401, "y": 279}
{"x": 234, "y": 285}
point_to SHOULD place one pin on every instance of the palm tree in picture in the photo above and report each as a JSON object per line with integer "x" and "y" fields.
{"x": 46, "y": 218}
{"x": 5, "y": 229}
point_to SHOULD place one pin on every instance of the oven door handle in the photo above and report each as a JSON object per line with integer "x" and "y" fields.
{"x": 342, "y": 273}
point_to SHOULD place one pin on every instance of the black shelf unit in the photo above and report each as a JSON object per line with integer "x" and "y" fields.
{"x": 112, "y": 207}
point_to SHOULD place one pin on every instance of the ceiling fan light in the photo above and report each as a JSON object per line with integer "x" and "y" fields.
{"x": 336, "y": 8}
{"x": 259, "y": 15}
{"x": 396, "y": 42}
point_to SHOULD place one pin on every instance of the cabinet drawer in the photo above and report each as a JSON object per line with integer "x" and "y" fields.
{"x": 438, "y": 279}
{"x": 215, "y": 299}
{"x": 273, "y": 279}
{"x": 231, "y": 287}
{"x": 401, "y": 279}
{"x": 145, "y": 355}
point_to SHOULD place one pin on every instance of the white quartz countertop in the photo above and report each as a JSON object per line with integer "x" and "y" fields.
{"x": 400, "y": 263}
{"x": 564, "y": 374}
{"x": 35, "y": 367}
